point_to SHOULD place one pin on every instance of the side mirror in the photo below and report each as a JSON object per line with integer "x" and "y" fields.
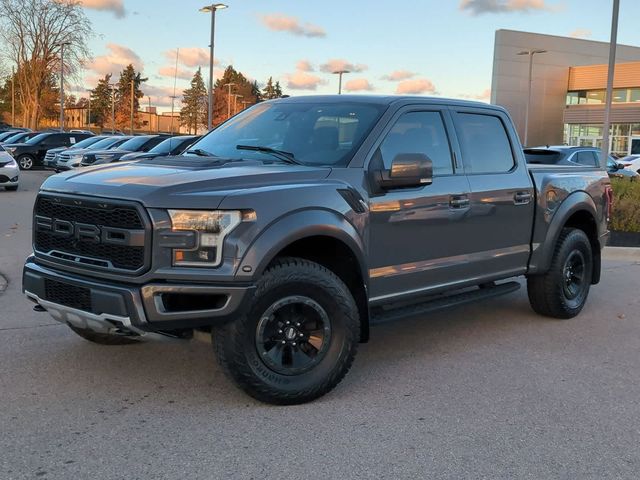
{"x": 407, "y": 170}
{"x": 619, "y": 166}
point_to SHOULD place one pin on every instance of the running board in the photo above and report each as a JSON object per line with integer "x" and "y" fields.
{"x": 380, "y": 315}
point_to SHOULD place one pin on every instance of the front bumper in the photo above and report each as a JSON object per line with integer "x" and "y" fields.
{"x": 9, "y": 176}
{"x": 122, "y": 308}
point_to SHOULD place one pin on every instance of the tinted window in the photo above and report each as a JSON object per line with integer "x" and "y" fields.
{"x": 419, "y": 132}
{"x": 86, "y": 142}
{"x": 38, "y": 138}
{"x": 588, "y": 159}
{"x": 484, "y": 142}
{"x": 545, "y": 157}
{"x": 133, "y": 144}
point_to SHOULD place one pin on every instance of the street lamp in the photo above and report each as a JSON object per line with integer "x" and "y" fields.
{"x": 112, "y": 87}
{"x": 211, "y": 8}
{"x": 531, "y": 53}
{"x": 612, "y": 64}
{"x": 62, "y": 45}
{"x": 13, "y": 98}
{"x": 340, "y": 73}
{"x": 89, "y": 116}
{"x": 235, "y": 102}
{"x": 229, "y": 85}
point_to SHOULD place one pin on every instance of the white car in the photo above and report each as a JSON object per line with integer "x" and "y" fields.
{"x": 630, "y": 162}
{"x": 9, "y": 171}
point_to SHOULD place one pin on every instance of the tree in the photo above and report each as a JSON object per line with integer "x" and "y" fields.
{"x": 123, "y": 98}
{"x": 101, "y": 103}
{"x": 225, "y": 101}
{"x": 193, "y": 113}
{"x": 269, "y": 90}
{"x": 33, "y": 32}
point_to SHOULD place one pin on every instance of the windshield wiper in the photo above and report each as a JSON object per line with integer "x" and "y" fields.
{"x": 286, "y": 157}
{"x": 201, "y": 153}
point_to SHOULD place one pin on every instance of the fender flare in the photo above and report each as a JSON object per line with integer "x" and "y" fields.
{"x": 576, "y": 202}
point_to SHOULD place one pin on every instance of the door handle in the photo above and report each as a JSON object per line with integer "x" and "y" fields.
{"x": 459, "y": 202}
{"x": 522, "y": 198}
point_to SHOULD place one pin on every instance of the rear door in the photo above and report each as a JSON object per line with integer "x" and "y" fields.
{"x": 502, "y": 194}
{"x": 418, "y": 237}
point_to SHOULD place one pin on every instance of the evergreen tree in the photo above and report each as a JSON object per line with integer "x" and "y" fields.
{"x": 123, "y": 98}
{"x": 193, "y": 113}
{"x": 225, "y": 104}
{"x": 269, "y": 91}
{"x": 101, "y": 103}
{"x": 278, "y": 90}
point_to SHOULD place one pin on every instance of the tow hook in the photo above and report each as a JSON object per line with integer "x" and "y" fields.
{"x": 39, "y": 308}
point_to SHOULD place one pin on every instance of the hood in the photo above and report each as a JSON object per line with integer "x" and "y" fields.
{"x": 57, "y": 149}
{"x": 183, "y": 182}
{"x": 141, "y": 155}
{"x": 112, "y": 151}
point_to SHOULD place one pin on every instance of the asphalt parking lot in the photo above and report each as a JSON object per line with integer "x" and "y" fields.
{"x": 486, "y": 391}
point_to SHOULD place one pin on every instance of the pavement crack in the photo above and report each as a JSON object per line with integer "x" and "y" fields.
{"x": 26, "y": 328}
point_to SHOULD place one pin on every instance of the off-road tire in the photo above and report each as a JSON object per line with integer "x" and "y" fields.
{"x": 103, "y": 338}
{"x": 12, "y": 188}
{"x": 235, "y": 342}
{"x": 547, "y": 293}
{"x": 26, "y": 162}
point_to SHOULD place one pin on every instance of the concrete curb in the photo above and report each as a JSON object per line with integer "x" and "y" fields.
{"x": 621, "y": 253}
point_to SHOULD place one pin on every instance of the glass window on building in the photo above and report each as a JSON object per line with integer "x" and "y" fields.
{"x": 572, "y": 98}
{"x": 620, "y": 96}
{"x": 634, "y": 95}
{"x": 595, "y": 96}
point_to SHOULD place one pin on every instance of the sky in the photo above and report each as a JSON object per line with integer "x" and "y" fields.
{"x": 425, "y": 47}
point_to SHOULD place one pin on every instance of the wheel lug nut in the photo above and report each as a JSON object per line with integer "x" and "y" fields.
{"x": 284, "y": 342}
{"x": 301, "y": 334}
{"x": 297, "y": 324}
{"x": 294, "y": 344}
{"x": 279, "y": 331}
{"x": 287, "y": 322}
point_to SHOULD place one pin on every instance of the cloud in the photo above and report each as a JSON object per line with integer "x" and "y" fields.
{"x": 161, "y": 96}
{"x": 358, "y": 85}
{"x": 336, "y": 64}
{"x": 485, "y": 95}
{"x": 284, "y": 23}
{"x": 115, "y": 60}
{"x": 478, "y": 7}
{"x": 580, "y": 33}
{"x": 416, "y": 87}
{"x": 303, "y": 81}
{"x": 114, "y": 6}
{"x": 398, "y": 76}
{"x": 304, "y": 66}
{"x": 182, "y": 73}
{"x": 190, "y": 56}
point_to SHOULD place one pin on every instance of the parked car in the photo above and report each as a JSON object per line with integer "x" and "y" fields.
{"x": 71, "y": 159}
{"x": 7, "y": 134}
{"x": 616, "y": 169}
{"x": 51, "y": 157}
{"x": 9, "y": 128}
{"x": 142, "y": 143}
{"x": 170, "y": 146}
{"x": 631, "y": 162}
{"x": 9, "y": 171}
{"x": 20, "y": 137}
{"x": 298, "y": 223}
{"x": 30, "y": 154}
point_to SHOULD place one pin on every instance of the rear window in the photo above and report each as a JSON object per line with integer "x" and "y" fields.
{"x": 543, "y": 157}
{"x": 588, "y": 159}
{"x": 484, "y": 142}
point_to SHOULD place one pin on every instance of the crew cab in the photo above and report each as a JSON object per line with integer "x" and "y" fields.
{"x": 289, "y": 230}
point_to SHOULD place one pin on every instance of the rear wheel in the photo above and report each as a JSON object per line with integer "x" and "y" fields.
{"x": 298, "y": 339}
{"x": 103, "y": 338}
{"x": 25, "y": 162}
{"x": 563, "y": 290}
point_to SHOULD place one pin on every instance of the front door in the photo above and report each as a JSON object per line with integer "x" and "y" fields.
{"x": 418, "y": 236}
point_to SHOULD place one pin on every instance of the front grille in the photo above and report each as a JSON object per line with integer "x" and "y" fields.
{"x": 4, "y": 179}
{"x": 49, "y": 156}
{"x": 92, "y": 254}
{"x": 67, "y": 295}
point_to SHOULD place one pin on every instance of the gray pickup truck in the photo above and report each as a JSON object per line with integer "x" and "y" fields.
{"x": 290, "y": 229}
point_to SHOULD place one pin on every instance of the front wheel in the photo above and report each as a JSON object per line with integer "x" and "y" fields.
{"x": 25, "y": 162}
{"x": 298, "y": 339}
{"x": 563, "y": 290}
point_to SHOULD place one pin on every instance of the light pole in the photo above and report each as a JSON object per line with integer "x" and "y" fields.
{"x": 89, "y": 116}
{"x": 608, "y": 99}
{"x": 235, "y": 102}
{"x": 149, "y": 113}
{"x": 172, "y": 97}
{"x": 245, "y": 103}
{"x": 212, "y": 9}
{"x": 62, "y": 45}
{"x": 530, "y": 53}
{"x": 229, "y": 85}
{"x": 113, "y": 86}
{"x": 340, "y": 73}
{"x": 131, "y": 106}
{"x": 13, "y": 98}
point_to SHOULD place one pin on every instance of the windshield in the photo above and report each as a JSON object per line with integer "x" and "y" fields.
{"x": 15, "y": 137}
{"x": 315, "y": 133}
{"x": 85, "y": 143}
{"x": 546, "y": 157}
{"x": 6, "y": 135}
{"x": 134, "y": 143}
{"x": 107, "y": 143}
{"x": 37, "y": 138}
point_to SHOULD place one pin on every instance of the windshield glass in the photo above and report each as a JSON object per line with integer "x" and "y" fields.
{"x": 6, "y": 135}
{"x": 134, "y": 143}
{"x": 86, "y": 142}
{"x": 15, "y": 138}
{"x": 165, "y": 146}
{"x": 37, "y": 138}
{"x": 106, "y": 143}
{"x": 315, "y": 133}
{"x": 546, "y": 157}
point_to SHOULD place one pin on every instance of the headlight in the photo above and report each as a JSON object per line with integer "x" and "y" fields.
{"x": 211, "y": 228}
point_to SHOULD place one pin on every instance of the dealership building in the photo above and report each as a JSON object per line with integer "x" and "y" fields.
{"x": 567, "y": 90}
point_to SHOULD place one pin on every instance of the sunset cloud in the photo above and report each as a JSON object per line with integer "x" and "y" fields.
{"x": 479, "y": 7}
{"x": 337, "y": 64}
{"x": 416, "y": 86}
{"x": 304, "y": 66}
{"x": 114, "y": 6}
{"x": 484, "y": 96}
{"x": 358, "y": 85}
{"x": 284, "y": 23}
{"x": 190, "y": 56}
{"x": 398, "y": 76}
{"x": 115, "y": 60}
{"x": 303, "y": 81}
{"x": 182, "y": 73}
{"x": 580, "y": 33}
